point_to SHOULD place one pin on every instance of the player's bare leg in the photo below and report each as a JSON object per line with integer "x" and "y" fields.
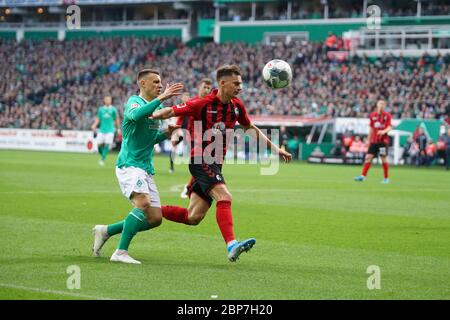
{"x": 193, "y": 215}
{"x": 366, "y": 167}
{"x": 197, "y": 209}
{"x": 224, "y": 219}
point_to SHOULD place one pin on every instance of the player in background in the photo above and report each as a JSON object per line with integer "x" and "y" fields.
{"x": 185, "y": 122}
{"x": 177, "y": 136}
{"x": 216, "y": 112}
{"x": 134, "y": 166}
{"x": 107, "y": 117}
{"x": 379, "y": 126}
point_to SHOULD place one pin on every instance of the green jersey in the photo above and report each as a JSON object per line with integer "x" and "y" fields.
{"x": 139, "y": 134}
{"x": 107, "y": 115}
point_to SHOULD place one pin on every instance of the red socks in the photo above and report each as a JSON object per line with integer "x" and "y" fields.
{"x": 366, "y": 167}
{"x": 176, "y": 214}
{"x": 368, "y": 164}
{"x": 223, "y": 217}
{"x": 386, "y": 170}
{"x": 225, "y": 220}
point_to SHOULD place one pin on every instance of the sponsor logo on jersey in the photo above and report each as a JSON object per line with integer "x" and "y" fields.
{"x": 154, "y": 126}
{"x": 218, "y": 127}
{"x": 181, "y": 106}
{"x": 236, "y": 111}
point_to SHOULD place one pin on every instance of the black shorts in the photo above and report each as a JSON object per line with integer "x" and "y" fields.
{"x": 378, "y": 149}
{"x": 204, "y": 178}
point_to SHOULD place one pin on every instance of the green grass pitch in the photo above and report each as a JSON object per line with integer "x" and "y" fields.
{"x": 317, "y": 233}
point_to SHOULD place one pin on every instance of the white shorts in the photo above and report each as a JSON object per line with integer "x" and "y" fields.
{"x": 105, "y": 138}
{"x": 132, "y": 179}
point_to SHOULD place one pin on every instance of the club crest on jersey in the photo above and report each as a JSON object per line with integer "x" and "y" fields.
{"x": 218, "y": 127}
{"x": 134, "y": 105}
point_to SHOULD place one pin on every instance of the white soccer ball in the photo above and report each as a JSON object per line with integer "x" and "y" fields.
{"x": 277, "y": 74}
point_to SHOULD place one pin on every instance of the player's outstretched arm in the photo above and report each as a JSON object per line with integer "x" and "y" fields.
{"x": 286, "y": 155}
{"x": 164, "y": 113}
{"x": 148, "y": 109}
{"x": 95, "y": 124}
{"x": 118, "y": 125}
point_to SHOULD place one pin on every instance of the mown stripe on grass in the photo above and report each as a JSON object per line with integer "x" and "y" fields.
{"x": 58, "y": 292}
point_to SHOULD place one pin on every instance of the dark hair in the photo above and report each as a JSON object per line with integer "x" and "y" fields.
{"x": 207, "y": 81}
{"x": 228, "y": 70}
{"x": 145, "y": 72}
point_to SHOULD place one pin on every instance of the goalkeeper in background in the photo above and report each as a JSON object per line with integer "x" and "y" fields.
{"x": 107, "y": 117}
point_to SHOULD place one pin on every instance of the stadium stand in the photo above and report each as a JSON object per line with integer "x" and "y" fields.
{"x": 58, "y": 85}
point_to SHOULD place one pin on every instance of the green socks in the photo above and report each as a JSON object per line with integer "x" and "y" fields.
{"x": 117, "y": 228}
{"x": 104, "y": 151}
{"x": 133, "y": 223}
{"x": 100, "y": 149}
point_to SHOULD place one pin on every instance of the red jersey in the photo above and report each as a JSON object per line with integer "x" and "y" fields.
{"x": 213, "y": 118}
{"x": 379, "y": 122}
{"x": 185, "y": 121}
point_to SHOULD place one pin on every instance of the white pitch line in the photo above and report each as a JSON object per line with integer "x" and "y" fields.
{"x": 12, "y": 286}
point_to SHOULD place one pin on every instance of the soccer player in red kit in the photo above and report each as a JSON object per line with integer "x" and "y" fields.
{"x": 187, "y": 122}
{"x": 380, "y": 125}
{"x": 215, "y": 113}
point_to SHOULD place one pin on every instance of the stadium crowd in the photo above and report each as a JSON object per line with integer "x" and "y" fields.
{"x": 60, "y": 85}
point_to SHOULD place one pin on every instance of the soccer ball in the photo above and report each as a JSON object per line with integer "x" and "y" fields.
{"x": 277, "y": 74}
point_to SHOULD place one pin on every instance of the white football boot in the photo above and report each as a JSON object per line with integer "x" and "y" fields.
{"x": 100, "y": 237}
{"x": 122, "y": 256}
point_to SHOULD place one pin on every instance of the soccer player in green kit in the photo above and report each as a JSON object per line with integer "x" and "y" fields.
{"x": 107, "y": 116}
{"x": 134, "y": 166}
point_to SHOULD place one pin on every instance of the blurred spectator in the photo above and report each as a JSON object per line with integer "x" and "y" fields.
{"x": 431, "y": 152}
{"x": 283, "y": 138}
{"x": 331, "y": 42}
{"x": 446, "y": 139}
{"x": 422, "y": 142}
{"x": 347, "y": 140}
{"x": 293, "y": 146}
{"x": 357, "y": 149}
{"x": 409, "y": 152}
{"x": 447, "y": 118}
{"x": 440, "y": 149}
{"x": 338, "y": 149}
